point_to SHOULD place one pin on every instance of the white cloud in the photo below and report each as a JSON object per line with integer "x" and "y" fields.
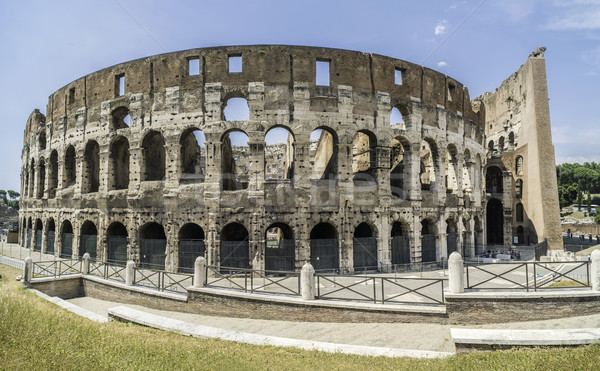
{"x": 575, "y": 15}
{"x": 442, "y": 64}
{"x": 440, "y": 28}
{"x": 456, "y": 5}
{"x": 517, "y": 10}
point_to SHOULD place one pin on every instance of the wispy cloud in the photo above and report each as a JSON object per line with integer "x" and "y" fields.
{"x": 517, "y": 10}
{"x": 591, "y": 57}
{"x": 456, "y": 5}
{"x": 442, "y": 64}
{"x": 441, "y": 27}
{"x": 577, "y": 15}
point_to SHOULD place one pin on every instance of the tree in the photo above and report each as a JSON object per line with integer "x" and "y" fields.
{"x": 579, "y": 198}
{"x": 13, "y": 195}
{"x": 3, "y": 195}
{"x": 589, "y": 202}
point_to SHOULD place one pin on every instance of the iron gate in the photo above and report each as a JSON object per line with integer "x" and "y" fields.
{"x": 117, "y": 250}
{"x": 451, "y": 243}
{"x": 324, "y": 254}
{"x": 88, "y": 243}
{"x": 365, "y": 253}
{"x": 235, "y": 254}
{"x": 38, "y": 240}
{"x": 279, "y": 256}
{"x": 153, "y": 254}
{"x": 50, "y": 242}
{"x": 189, "y": 250}
{"x": 428, "y": 253}
{"x": 400, "y": 250}
{"x": 66, "y": 249}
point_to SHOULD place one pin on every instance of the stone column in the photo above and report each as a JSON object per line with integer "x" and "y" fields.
{"x": 458, "y": 168}
{"x": 129, "y": 272}
{"x": 105, "y": 168}
{"x": 413, "y": 172}
{"x": 455, "y": 274}
{"x": 307, "y": 282}
{"x": 200, "y": 272}
{"x": 442, "y": 250}
{"x": 440, "y": 176}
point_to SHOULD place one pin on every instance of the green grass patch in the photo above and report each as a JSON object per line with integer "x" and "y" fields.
{"x": 37, "y": 335}
{"x": 565, "y": 283}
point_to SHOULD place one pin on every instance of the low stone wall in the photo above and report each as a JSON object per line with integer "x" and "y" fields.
{"x": 587, "y": 228}
{"x": 484, "y": 307}
{"x": 66, "y": 287}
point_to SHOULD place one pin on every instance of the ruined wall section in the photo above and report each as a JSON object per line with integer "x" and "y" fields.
{"x": 517, "y": 126}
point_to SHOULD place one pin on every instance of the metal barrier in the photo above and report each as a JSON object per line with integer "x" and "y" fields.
{"x": 107, "y": 271}
{"x": 391, "y": 290}
{"x": 56, "y": 268}
{"x": 526, "y": 275}
{"x": 162, "y": 280}
{"x": 248, "y": 280}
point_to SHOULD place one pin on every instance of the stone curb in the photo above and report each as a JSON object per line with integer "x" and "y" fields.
{"x": 71, "y": 307}
{"x": 555, "y": 337}
{"x": 185, "y": 328}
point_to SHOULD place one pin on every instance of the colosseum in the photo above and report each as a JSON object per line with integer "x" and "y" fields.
{"x": 271, "y": 156}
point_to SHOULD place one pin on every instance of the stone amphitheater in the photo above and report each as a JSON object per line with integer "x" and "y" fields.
{"x": 352, "y": 161}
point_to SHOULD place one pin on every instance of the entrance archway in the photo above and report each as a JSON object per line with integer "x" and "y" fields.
{"x": 324, "y": 251}
{"x": 364, "y": 248}
{"x": 191, "y": 246}
{"x": 495, "y": 222}
{"x": 280, "y": 248}
{"x": 235, "y": 246}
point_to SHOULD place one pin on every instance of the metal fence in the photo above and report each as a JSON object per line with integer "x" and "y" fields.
{"x": 56, "y": 268}
{"x": 527, "y": 275}
{"x": 365, "y": 253}
{"x": 254, "y": 281}
{"x": 401, "y": 290}
{"x": 162, "y": 280}
{"x": 108, "y": 271}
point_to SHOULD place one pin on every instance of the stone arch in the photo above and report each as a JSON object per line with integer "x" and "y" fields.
{"x": 501, "y": 144}
{"x": 88, "y": 237}
{"x": 495, "y": 222}
{"x": 451, "y": 236}
{"x": 153, "y": 154}
{"x": 279, "y": 153}
{"x": 235, "y": 248}
{"x": 117, "y": 239}
{"x": 39, "y": 231}
{"x": 364, "y": 146}
{"x": 192, "y": 153}
{"x": 519, "y": 188}
{"x": 429, "y": 156}
{"x": 428, "y": 241}
{"x": 41, "y": 177}
{"x": 50, "y": 236}
{"x": 120, "y": 118}
{"x": 451, "y": 169}
{"x": 191, "y": 246}
{"x": 235, "y": 167}
{"x": 119, "y": 163}
{"x": 401, "y": 252}
{"x": 324, "y": 247}
{"x": 153, "y": 246}
{"x": 491, "y": 146}
{"x": 323, "y": 153}
{"x": 32, "y": 179}
{"x": 364, "y": 248}
{"x": 493, "y": 180}
{"x": 91, "y": 167}
{"x": 70, "y": 172}
{"x": 279, "y": 247}
{"x": 400, "y": 157}
{"x": 42, "y": 140}
{"x": 398, "y": 116}
{"x": 520, "y": 213}
{"x": 236, "y": 108}
{"x": 520, "y": 233}
{"x": 66, "y": 248}
{"x": 53, "y": 174}
{"x": 511, "y": 140}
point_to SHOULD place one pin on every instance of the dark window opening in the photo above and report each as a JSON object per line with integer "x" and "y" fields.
{"x": 153, "y": 151}
{"x": 71, "y": 95}
{"x": 119, "y": 163}
{"x": 120, "y": 85}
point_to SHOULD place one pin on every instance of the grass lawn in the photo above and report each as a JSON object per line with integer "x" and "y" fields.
{"x": 37, "y": 335}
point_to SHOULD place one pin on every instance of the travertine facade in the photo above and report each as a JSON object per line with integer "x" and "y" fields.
{"x": 116, "y": 168}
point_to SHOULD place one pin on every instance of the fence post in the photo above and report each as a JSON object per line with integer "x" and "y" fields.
{"x": 455, "y": 273}
{"x": 307, "y": 282}
{"x": 595, "y": 271}
{"x": 129, "y": 272}
{"x": 28, "y": 270}
{"x": 85, "y": 269}
{"x": 200, "y": 272}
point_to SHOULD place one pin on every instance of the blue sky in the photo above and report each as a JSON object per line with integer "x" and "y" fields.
{"x": 46, "y": 45}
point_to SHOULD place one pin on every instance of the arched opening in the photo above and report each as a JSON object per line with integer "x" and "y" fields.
{"x": 397, "y": 119}
{"x": 236, "y": 109}
{"x": 501, "y": 144}
{"x": 511, "y": 140}
{"x": 53, "y": 175}
{"x": 520, "y": 235}
{"x": 520, "y": 212}
{"x": 69, "y": 170}
{"x": 364, "y": 157}
{"x": 33, "y": 180}
{"x": 91, "y": 169}
{"x": 323, "y": 154}
{"x": 364, "y": 248}
{"x": 400, "y": 245}
{"x": 428, "y": 248}
{"x": 38, "y": 235}
{"x": 153, "y": 152}
{"x": 519, "y": 188}
{"x": 235, "y": 161}
{"x": 191, "y": 246}
{"x": 400, "y": 155}
{"x": 451, "y": 237}
{"x": 279, "y": 154}
{"x": 29, "y": 233}
{"x": 120, "y": 118}
{"x": 119, "y": 163}
{"x": 234, "y": 252}
{"x": 491, "y": 146}
{"x": 117, "y": 244}
{"x": 25, "y": 189}
{"x": 428, "y": 159}
{"x": 451, "y": 169}
{"x": 66, "y": 247}
{"x": 50, "y": 236}
{"x": 495, "y": 222}
{"x": 88, "y": 239}
{"x": 42, "y": 141}
{"x": 493, "y": 180}
{"x": 41, "y": 178}
{"x": 153, "y": 246}
{"x": 519, "y": 165}
{"x": 324, "y": 249}
{"x": 193, "y": 154}
{"x": 280, "y": 248}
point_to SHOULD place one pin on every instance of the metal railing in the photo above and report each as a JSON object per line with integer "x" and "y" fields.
{"x": 162, "y": 280}
{"x": 254, "y": 281}
{"x": 56, "y": 268}
{"x": 526, "y": 275}
{"x": 107, "y": 271}
{"x": 401, "y": 290}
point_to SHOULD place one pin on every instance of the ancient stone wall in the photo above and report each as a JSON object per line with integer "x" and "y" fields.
{"x": 111, "y": 169}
